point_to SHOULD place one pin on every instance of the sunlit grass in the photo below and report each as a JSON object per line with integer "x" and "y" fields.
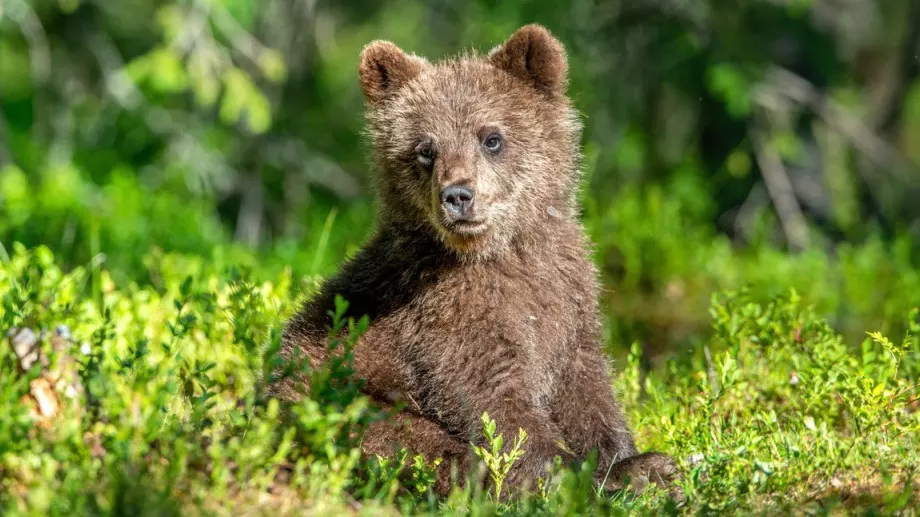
{"x": 780, "y": 415}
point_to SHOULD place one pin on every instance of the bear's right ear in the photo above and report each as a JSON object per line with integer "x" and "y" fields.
{"x": 384, "y": 68}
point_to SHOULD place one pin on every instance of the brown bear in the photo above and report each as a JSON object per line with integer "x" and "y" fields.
{"x": 478, "y": 282}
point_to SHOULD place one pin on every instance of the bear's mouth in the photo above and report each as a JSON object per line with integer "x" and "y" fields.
{"x": 466, "y": 227}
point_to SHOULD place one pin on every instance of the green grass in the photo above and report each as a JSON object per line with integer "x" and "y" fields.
{"x": 773, "y": 412}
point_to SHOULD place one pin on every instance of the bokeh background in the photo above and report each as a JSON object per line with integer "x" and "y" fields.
{"x": 760, "y": 144}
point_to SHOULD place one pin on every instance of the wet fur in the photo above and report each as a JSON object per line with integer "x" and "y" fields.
{"x": 504, "y": 321}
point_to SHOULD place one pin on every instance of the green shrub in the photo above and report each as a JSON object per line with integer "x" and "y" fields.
{"x": 773, "y": 413}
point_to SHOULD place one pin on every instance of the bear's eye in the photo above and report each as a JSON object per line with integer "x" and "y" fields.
{"x": 426, "y": 156}
{"x": 493, "y": 143}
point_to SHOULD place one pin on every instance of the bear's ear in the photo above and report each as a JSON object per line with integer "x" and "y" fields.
{"x": 384, "y": 68}
{"x": 534, "y": 55}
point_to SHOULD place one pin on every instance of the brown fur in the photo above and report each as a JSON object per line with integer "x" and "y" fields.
{"x": 499, "y": 315}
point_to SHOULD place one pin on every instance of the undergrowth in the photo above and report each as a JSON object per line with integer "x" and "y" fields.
{"x": 775, "y": 413}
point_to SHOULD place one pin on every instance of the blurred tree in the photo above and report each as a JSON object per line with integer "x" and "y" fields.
{"x": 667, "y": 86}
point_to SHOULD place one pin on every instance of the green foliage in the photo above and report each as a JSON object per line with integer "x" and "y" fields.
{"x": 181, "y": 173}
{"x": 732, "y": 87}
{"x": 498, "y": 463}
{"x": 783, "y": 405}
{"x": 777, "y": 412}
{"x": 170, "y": 378}
{"x": 663, "y": 265}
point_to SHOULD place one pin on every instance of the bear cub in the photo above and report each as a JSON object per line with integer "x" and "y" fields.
{"x": 478, "y": 282}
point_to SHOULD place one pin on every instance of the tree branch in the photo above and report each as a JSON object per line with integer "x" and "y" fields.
{"x": 783, "y": 83}
{"x": 781, "y": 192}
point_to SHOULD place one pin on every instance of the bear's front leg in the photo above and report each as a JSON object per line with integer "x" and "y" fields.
{"x": 585, "y": 409}
{"x": 590, "y": 418}
{"x": 500, "y": 381}
{"x": 421, "y": 435}
{"x": 384, "y": 383}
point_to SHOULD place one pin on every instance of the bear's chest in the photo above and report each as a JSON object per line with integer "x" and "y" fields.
{"x": 480, "y": 314}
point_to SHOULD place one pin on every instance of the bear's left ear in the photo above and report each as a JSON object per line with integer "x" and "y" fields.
{"x": 534, "y": 55}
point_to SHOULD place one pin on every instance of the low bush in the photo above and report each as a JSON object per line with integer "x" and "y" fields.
{"x": 775, "y": 412}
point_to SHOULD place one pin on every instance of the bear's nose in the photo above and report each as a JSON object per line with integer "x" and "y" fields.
{"x": 457, "y": 200}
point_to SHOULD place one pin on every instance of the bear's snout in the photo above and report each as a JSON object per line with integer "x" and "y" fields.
{"x": 457, "y": 201}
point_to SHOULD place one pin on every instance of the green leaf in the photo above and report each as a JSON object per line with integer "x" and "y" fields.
{"x": 271, "y": 62}
{"x": 810, "y": 423}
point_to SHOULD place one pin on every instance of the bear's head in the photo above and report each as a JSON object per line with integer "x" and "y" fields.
{"x": 482, "y": 151}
